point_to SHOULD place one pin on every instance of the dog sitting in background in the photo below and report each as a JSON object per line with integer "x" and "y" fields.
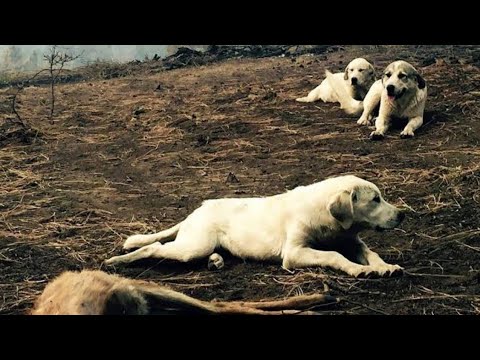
{"x": 402, "y": 93}
{"x": 354, "y": 84}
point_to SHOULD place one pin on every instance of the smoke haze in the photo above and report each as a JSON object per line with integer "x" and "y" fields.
{"x": 30, "y": 57}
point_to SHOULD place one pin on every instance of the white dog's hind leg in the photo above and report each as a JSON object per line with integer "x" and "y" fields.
{"x": 181, "y": 251}
{"x": 412, "y": 125}
{"x": 136, "y": 241}
{"x": 314, "y": 95}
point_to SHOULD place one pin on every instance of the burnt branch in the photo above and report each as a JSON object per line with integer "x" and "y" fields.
{"x": 14, "y": 97}
{"x": 56, "y": 62}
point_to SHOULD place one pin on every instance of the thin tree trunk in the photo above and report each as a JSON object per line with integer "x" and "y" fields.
{"x": 53, "y": 92}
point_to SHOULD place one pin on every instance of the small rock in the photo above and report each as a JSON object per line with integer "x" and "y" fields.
{"x": 231, "y": 178}
{"x": 139, "y": 110}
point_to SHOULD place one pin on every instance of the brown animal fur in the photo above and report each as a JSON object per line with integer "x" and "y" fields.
{"x": 98, "y": 293}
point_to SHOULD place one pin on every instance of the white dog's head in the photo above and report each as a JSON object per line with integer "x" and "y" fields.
{"x": 360, "y": 203}
{"x": 400, "y": 78}
{"x": 359, "y": 73}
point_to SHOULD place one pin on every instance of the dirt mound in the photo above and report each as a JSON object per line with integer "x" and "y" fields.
{"x": 187, "y": 57}
{"x": 11, "y": 131}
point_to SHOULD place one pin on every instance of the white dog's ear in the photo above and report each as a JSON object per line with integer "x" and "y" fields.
{"x": 341, "y": 208}
{"x": 420, "y": 81}
{"x": 345, "y": 76}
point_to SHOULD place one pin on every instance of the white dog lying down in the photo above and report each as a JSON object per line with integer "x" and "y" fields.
{"x": 282, "y": 228}
{"x": 355, "y": 82}
{"x": 402, "y": 93}
{"x": 98, "y": 293}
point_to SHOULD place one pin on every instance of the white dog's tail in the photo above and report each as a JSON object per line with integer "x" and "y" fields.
{"x": 137, "y": 241}
{"x": 349, "y": 105}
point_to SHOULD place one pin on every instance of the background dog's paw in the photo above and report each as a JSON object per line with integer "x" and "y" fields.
{"x": 365, "y": 122}
{"x": 375, "y": 135}
{"x": 215, "y": 262}
{"x": 406, "y": 134}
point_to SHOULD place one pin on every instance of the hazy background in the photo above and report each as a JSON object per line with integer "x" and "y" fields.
{"x": 30, "y": 57}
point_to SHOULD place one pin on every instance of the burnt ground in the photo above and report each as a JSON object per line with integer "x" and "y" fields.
{"x": 72, "y": 191}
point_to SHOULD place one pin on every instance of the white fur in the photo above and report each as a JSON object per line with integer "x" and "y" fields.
{"x": 410, "y": 105}
{"x": 278, "y": 228}
{"x": 339, "y": 87}
{"x": 342, "y": 95}
{"x": 215, "y": 261}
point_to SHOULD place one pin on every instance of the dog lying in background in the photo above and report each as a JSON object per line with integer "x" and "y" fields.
{"x": 284, "y": 228}
{"x": 354, "y": 84}
{"x": 402, "y": 93}
{"x": 99, "y": 293}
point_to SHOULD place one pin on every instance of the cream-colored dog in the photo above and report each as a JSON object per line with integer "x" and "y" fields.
{"x": 283, "y": 228}
{"x": 402, "y": 93}
{"x": 355, "y": 82}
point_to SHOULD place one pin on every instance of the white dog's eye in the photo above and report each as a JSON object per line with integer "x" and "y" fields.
{"x": 351, "y": 69}
{"x": 360, "y": 70}
{"x": 388, "y": 75}
{"x": 401, "y": 76}
{"x": 376, "y": 199}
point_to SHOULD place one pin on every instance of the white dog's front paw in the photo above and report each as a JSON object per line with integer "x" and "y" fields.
{"x": 112, "y": 261}
{"x": 388, "y": 270}
{"x": 360, "y": 271}
{"x": 302, "y": 99}
{"x": 406, "y": 133}
{"x": 132, "y": 242}
{"x": 374, "y": 271}
{"x": 215, "y": 261}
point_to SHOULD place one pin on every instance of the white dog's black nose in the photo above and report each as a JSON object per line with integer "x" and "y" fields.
{"x": 354, "y": 81}
{"x": 390, "y": 90}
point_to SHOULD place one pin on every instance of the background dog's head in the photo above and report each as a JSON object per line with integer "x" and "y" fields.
{"x": 359, "y": 72}
{"x": 400, "y": 78}
{"x": 362, "y": 204}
